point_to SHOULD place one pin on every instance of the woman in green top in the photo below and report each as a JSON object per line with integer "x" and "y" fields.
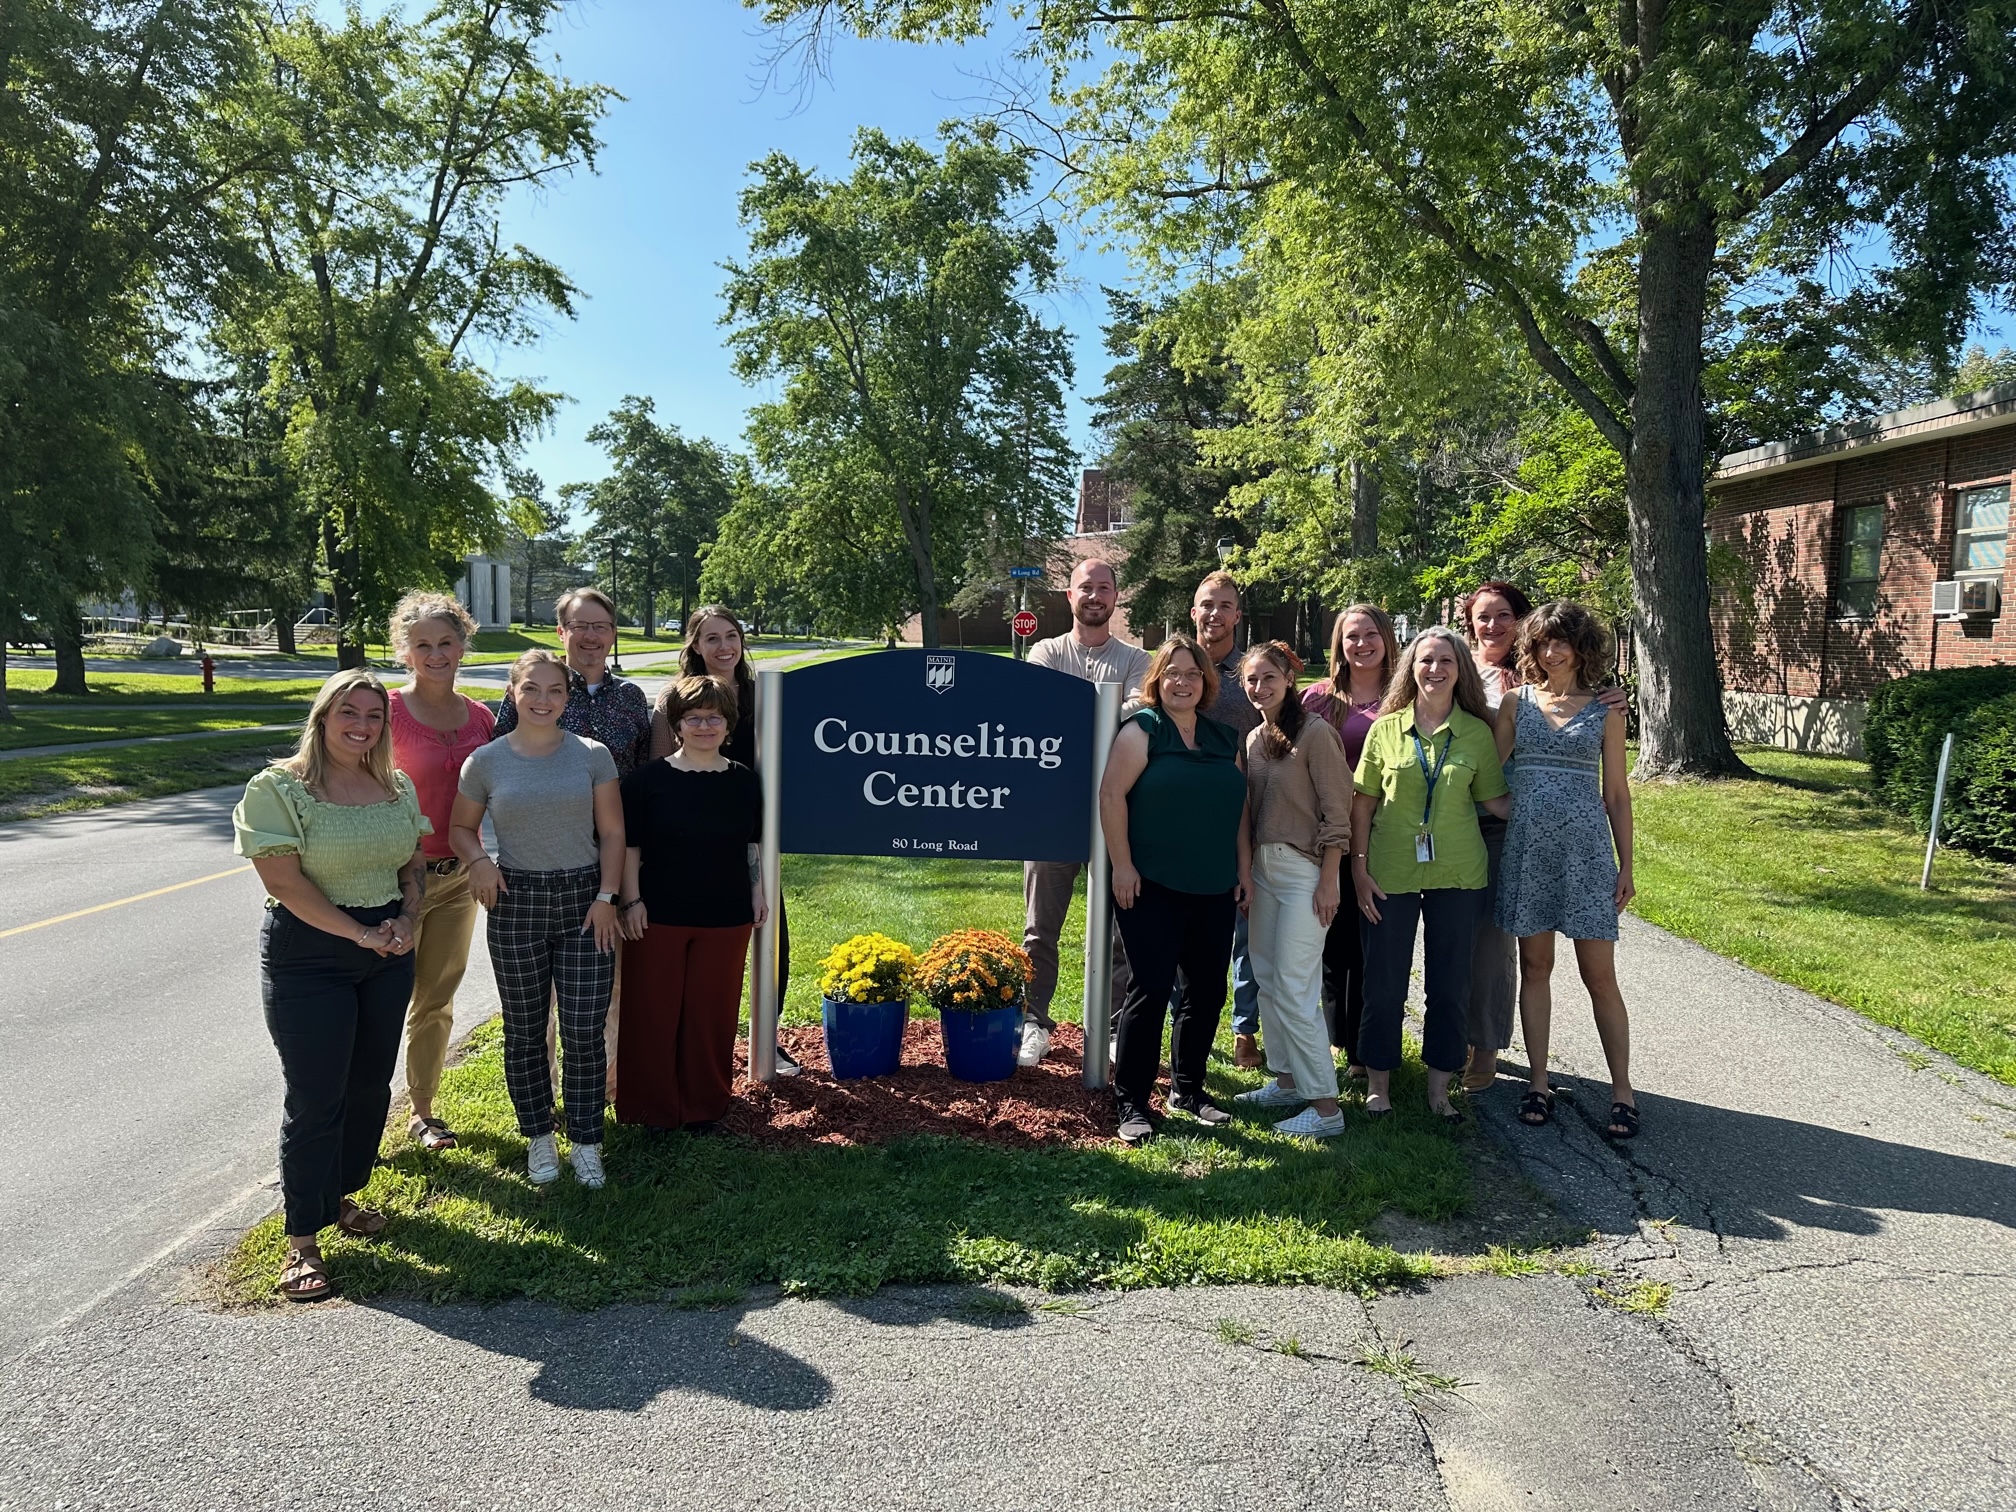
{"x": 334, "y": 833}
{"x": 1173, "y": 805}
{"x": 1417, "y": 856}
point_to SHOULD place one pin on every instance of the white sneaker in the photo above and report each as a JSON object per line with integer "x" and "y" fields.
{"x": 1035, "y": 1044}
{"x": 542, "y": 1159}
{"x": 1310, "y": 1124}
{"x": 1271, "y": 1094}
{"x": 587, "y": 1162}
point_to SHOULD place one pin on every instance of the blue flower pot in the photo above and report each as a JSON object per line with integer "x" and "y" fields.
{"x": 980, "y": 1047}
{"x": 863, "y": 1039}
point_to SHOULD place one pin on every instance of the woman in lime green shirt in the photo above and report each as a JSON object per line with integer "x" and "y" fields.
{"x": 1417, "y": 856}
{"x": 334, "y": 833}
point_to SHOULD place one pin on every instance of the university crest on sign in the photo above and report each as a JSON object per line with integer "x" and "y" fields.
{"x": 939, "y": 672}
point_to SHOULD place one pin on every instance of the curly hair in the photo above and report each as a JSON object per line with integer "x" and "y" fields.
{"x": 1151, "y": 685}
{"x": 424, "y": 604}
{"x": 1279, "y": 729}
{"x": 1586, "y": 635}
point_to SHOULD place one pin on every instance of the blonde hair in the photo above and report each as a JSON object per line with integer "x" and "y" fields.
{"x": 527, "y": 660}
{"x": 1403, "y": 690}
{"x": 310, "y": 761}
{"x": 1217, "y": 579}
{"x": 565, "y": 605}
{"x": 425, "y": 604}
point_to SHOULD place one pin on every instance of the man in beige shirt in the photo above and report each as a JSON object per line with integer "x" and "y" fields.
{"x": 1089, "y": 650}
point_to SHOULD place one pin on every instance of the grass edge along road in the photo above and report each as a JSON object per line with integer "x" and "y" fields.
{"x": 1801, "y": 875}
{"x": 36, "y": 787}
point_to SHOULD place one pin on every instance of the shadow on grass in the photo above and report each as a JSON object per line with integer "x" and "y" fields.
{"x": 1241, "y": 1205}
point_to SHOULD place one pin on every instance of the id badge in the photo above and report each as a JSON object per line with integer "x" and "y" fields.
{"x": 1424, "y": 847}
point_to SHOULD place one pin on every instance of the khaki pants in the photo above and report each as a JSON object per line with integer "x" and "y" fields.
{"x": 440, "y": 955}
{"x": 1046, "y": 898}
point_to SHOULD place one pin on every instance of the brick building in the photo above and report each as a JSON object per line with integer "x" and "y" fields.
{"x": 1839, "y": 538}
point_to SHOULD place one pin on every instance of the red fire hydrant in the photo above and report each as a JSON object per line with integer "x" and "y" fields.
{"x": 209, "y": 673}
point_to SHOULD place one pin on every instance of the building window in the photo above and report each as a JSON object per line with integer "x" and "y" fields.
{"x": 1861, "y": 561}
{"x": 1981, "y": 530}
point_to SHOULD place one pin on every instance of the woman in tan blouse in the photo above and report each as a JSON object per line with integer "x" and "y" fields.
{"x": 1298, "y": 801}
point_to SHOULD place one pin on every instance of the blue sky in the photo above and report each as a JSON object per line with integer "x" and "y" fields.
{"x": 644, "y": 238}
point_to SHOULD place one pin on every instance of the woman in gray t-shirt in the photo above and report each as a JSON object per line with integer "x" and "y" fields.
{"x": 553, "y": 800}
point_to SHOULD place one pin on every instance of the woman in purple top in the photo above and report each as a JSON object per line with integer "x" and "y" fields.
{"x": 1362, "y": 653}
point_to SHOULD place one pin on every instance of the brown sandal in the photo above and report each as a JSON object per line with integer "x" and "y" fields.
{"x": 359, "y": 1222}
{"x": 432, "y": 1135}
{"x": 305, "y": 1278}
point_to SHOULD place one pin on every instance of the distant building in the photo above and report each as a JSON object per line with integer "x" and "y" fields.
{"x": 1866, "y": 551}
{"x": 485, "y": 591}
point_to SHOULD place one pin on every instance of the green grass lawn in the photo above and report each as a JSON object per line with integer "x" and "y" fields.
{"x": 35, "y": 786}
{"x": 1803, "y": 876}
{"x": 717, "y": 1214}
{"x": 29, "y": 690}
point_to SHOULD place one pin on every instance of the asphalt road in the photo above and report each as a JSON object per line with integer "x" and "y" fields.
{"x": 143, "y": 1093}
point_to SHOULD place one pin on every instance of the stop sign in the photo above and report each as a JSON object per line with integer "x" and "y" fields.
{"x": 1025, "y": 624}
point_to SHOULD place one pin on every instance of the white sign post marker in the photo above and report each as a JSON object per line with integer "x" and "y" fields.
{"x": 763, "y": 1004}
{"x": 1099, "y": 899}
{"x": 1938, "y": 812}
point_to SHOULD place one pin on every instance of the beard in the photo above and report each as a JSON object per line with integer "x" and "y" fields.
{"x": 1091, "y": 613}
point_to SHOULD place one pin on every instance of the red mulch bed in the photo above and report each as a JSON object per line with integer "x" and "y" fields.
{"x": 1047, "y": 1104}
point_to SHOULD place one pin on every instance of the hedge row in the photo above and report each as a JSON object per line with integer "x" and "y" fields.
{"x": 1909, "y": 720}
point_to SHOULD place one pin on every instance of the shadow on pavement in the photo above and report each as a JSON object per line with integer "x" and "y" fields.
{"x": 1754, "y": 1176}
{"x": 621, "y": 1359}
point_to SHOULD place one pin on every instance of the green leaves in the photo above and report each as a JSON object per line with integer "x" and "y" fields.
{"x": 921, "y": 401}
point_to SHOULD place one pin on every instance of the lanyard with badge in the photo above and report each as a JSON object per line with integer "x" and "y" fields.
{"x": 1424, "y": 842}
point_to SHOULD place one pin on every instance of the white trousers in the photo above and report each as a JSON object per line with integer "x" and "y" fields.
{"x": 1286, "y": 940}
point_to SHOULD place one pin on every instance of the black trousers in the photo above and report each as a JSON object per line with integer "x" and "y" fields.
{"x": 1165, "y": 932}
{"x": 336, "y": 1012}
{"x": 1449, "y": 916}
{"x": 1344, "y": 976}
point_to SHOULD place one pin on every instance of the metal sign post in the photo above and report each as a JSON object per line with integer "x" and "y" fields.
{"x": 1938, "y": 809}
{"x": 763, "y": 1005}
{"x": 1099, "y": 899}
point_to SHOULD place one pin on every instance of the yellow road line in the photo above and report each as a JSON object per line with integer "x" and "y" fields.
{"x": 122, "y": 902}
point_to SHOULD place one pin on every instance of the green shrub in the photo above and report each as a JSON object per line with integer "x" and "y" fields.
{"x": 1981, "y": 789}
{"x": 1908, "y": 721}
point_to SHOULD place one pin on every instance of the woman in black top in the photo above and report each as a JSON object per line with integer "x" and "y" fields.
{"x": 713, "y": 648}
{"x": 692, "y": 821}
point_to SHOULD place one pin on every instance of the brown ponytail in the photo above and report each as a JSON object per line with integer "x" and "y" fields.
{"x": 1278, "y": 733}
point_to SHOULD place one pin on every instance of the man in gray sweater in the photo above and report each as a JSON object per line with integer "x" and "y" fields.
{"x": 1089, "y": 650}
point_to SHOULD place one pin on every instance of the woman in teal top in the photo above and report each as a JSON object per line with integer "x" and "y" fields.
{"x": 1173, "y": 806}
{"x": 334, "y": 833}
{"x": 1417, "y": 856}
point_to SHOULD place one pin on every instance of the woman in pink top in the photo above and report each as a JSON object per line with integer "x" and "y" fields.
{"x": 1362, "y": 653}
{"x": 434, "y": 729}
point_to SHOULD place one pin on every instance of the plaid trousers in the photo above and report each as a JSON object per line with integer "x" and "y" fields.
{"x": 538, "y": 947}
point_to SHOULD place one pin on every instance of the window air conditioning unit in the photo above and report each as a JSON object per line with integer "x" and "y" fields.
{"x": 1966, "y": 598}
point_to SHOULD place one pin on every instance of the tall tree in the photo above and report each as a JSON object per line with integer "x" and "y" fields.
{"x": 922, "y": 397}
{"x": 114, "y": 145}
{"x": 385, "y": 264}
{"x": 660, "y": 504}
{"x": 539, "y": 540}
{"x": 1599, "y": 178}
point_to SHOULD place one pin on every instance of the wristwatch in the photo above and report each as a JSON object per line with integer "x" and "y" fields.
{"x": 605, "y": 897}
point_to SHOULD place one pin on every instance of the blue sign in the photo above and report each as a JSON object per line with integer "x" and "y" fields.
{"x": 1025, "y": 572}
{"x": 938, "y": 753}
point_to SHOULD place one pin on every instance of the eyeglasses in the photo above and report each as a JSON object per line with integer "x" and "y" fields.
{"x": 1173, "y": 674}
{"x": 702, "y": 721}
{"x": 593, "y": 627}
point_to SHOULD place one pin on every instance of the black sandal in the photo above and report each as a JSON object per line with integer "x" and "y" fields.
{"x": 1536, "y": 1108}
{"x": 1626, "y": 1115}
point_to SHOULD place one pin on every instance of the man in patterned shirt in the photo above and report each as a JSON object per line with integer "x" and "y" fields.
{"x": 603, "y": 707}
{"x": 600, "y": 705}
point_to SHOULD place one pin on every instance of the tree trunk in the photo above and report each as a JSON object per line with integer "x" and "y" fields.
{"x": 6, "y": 707}
{"x": 67, "y": 631}
{"x": 1683, "y": 732}
{"x": 531, "y": 567}
{"x": 1364, "y": 509}
{"x": 651, "y": 601}
{"x": 283, "y": 629}
{"x": 339, "y": 553}
{"x": 917, "y": 533}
